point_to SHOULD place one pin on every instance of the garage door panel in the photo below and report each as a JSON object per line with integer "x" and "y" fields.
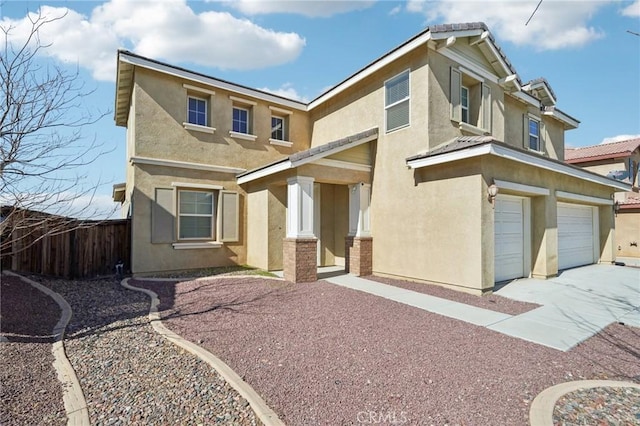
{"x": 576, "y": 238}
{"x": 509, "y": 238}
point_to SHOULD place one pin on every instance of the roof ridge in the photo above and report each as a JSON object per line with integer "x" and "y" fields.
{"x": 608, "y": 143}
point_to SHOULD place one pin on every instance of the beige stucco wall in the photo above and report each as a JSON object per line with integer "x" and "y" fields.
{"x": 628, "y": 233}
{"x": 147, "y": 257}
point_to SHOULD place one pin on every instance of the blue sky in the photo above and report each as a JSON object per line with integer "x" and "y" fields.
{"x": 300, "y": 48}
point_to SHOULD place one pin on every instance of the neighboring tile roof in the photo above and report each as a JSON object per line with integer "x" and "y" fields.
{"x": 630, "y": 203}
{"x": 601, "y": 152}
{"x": 455, "y": 144}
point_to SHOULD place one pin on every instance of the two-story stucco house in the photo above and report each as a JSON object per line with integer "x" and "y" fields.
{"x": 620, "y": 160}
{"x": 433, "y": 163}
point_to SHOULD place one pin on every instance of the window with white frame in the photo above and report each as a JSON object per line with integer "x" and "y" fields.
{"x": 397, "y": 98}
{"x": 278, "y": 128}
{"x": 470, "y": 99}
{"x": 196, "y": 215}
{"x": 241, "y": 118}
{"x": 534, "y": 134}
{"x": 197, "y": 111}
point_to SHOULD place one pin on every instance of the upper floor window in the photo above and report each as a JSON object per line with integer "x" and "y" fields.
{"x": 278, "y": 128}
{"x": 240, "y": 120}
{"x": 470, "y": 99}
{"x": 396, "y": 104}
{"x": 197, "y": 111}
{"x": 534, "y": 135}
{"x": 195, "y": 214}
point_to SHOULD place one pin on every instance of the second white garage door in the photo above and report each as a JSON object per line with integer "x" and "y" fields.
{"x": 576, "y": 239}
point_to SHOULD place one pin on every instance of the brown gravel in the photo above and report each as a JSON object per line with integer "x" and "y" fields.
{"x": 30, "y": 392}
{"x": 323, "y": 354}
{"x": 598, "y": 406}
{"x": 492, "y": 302}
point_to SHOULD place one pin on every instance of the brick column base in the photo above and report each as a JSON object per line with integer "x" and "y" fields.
{"x": 359, "y": 255}
{"x": 300, "y": 258}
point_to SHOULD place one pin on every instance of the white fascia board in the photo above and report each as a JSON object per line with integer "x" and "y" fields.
{"x": 376, "y": 66}
{"x": 140, "y": 62}
{"x": 451, "y": 156}
{"x": 568, "y": 121}
{"x": 520, "y": 157}
{"x": 185, "y": 165}
{"x": 269, "y": 170}
{"x": 543, "y": 163}
{"x": 456, "y": 33}
{"x": 497, "y": 55}
{"x": 526, "y": 98}
{"x": 570, "y": 196}
{"x": 521, "y": 188}
{"x": 456, "y": 57}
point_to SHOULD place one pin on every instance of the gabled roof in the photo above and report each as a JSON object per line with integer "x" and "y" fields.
{"x": 605, "y": 151}
{"x": 474, "y": 146}
{"x": 309, "y": 156}
{"x": 541, "y": 89}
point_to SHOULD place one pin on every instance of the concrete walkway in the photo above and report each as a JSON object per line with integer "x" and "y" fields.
{"x": 576, "y": 305}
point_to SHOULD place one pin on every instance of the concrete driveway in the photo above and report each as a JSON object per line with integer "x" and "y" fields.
{"x": 577, "y": 304}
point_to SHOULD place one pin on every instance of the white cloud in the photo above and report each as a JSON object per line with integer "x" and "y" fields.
{"x": 309, "y": 8}
{"x": 395, "y": 10}
{"x": 633, "y": 10}
{"x": 167, "y": 30}
{"x": 556, "y": 24}
{"x": 287, "y": 91}
{"x": 619, "y": 138}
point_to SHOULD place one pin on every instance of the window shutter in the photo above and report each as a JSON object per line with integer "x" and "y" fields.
{"x": 162, "y": 217}
{"x": 541, "y": 137}
{"x": 229, "y": 217}
{"x": 454, "y": 95}
{"x": 525, "y": 131}
{"x": 486, "y": 107}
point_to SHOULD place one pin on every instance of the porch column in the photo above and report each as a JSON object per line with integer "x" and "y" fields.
{"x": 300, "y": 245}
{"x": 359, "y": 243}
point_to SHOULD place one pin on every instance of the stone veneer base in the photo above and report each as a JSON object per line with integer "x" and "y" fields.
{"x": 359, "y": 255}
{"x": 300, "y": 259}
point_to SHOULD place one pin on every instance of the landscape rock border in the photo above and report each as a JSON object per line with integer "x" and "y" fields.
{"x": 541, "y": 411}
{"x": 75, "y": 404}
{"x": 266, "y": 415}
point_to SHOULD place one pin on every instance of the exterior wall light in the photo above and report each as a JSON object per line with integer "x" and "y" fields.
{"x": 616, "y": 208}
{"x": 492, "y": 192}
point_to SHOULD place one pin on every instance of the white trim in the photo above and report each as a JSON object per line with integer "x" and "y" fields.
{"x": 317, "y": 221}
{"x": 570, "y": 196}
{"x": 464, "y": 62}
{"x": 198, "y": 89}
{"x": 471, "y": 74}
{"x": 521, "y": 157}
{"x": 334, "y": 151}
{"x": 199, "y": 128}
{"x": 280, "y": 110}
{"x": 185, "y": 165}
{"x": 246, "y": 136}
{"x": 187, "y": 185}
{"x": 521, "y": 188}
{"x": 280, "y": 143}
{"x": 450, "y": 41}
{"x": 526, "y": 224}
{"x": 470, "y": 128}
{"x": 329, "y": 162}
{"x": 210, "y": 81}
{"x": 560, "y": 116}
{"x": 473, "y": 40}
{"x": 206, "y": 109}
{"x": 457, "y": 33}
{"x": 201, "y": 245}
{"x": 407, "y": 99}
{"x": 242, "y": 100}
{"x": 269, "y": 170}
{"x": 371, "y": 69}
{"x": 526, "y": 98}
{"x": 596, "y": 234}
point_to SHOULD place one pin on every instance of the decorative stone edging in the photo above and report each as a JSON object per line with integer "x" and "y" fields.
{"x": 541, "y": 411}
{"x": 72, "y": 395}
{"x": 259, "y": 406}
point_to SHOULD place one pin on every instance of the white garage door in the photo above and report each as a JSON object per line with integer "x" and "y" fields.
{"x": 575, "y": 235}
{"x": 509, "y": 238}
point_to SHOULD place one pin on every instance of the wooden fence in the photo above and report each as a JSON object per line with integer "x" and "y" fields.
{"x": 83, "y": 249}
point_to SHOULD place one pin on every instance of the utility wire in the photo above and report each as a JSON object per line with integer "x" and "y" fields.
{"x": 534, "y": 12}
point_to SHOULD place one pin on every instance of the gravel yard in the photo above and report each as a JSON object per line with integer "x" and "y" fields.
{"x": 30, "y": 392}
{"x": 323, "y": 354}
{"x": 132, "y": 375}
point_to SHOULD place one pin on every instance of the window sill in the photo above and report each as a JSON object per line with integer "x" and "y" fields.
{"x": 470, "y": 128}
{"x": 199, "y": 128}
{"x": 198, "y": 245}
{"x": 535, "y": 151}
{"x": 245, "y": 136}
{"x": 280, "y": 143}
